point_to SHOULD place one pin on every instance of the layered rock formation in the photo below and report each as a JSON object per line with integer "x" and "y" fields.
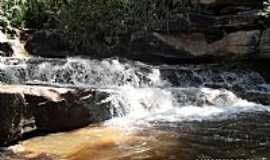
{"x": 27, "y": 108}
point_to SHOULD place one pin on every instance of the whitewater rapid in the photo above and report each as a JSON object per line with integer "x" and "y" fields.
{"x": 138, "y": 92}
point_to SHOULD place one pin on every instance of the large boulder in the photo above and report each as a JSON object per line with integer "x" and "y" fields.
{"x": 27, "y": 108}
{"x": 75, "y": 108}
{"x": 196, "y": 44}
{"x": 194, "y": 47}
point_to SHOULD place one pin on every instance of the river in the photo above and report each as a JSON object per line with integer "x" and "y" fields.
{"x": 160, "y": 112}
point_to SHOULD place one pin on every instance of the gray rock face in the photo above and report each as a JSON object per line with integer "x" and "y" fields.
{"x": 29, "y": 108}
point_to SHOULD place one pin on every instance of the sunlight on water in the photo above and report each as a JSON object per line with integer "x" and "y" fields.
{"x": 138, "y": 134}
{"x": 69, "y": 145}
{"x": 103, "y": 143}
{"x": 159, "y": 112}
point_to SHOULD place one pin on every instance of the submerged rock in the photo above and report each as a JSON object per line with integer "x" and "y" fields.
{"x": 28, "y": 108}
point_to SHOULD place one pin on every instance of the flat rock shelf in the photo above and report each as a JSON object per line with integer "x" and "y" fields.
{"x": 25, "y": 108}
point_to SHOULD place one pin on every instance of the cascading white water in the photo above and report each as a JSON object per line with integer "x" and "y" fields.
{"x": 140, "y": 91}
{"x": 114, "y": 73}
{"x": 82, "y": 72}
{"x": 155, "y": 109}
{"x": 140, "y": 106}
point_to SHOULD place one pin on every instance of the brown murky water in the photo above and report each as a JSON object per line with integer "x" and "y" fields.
{"x": 246, "y": 136}
{"x": 179, "y": 118}
{"x": 104, "y": 143}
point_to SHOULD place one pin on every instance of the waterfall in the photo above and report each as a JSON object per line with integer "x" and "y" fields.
{"x": 140, "y": 91}
{"x": 110, "y": 73}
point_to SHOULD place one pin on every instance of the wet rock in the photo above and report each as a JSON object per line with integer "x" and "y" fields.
{"x": 77, "y": 108}
{"x": 265, "y": 45}
{"x": 256, "y": 96}
{"x": 46, "y": 43}
{"x": 5, "y": 49}
{"x": 28, "y": 108}
{"x": 15, "y": 117}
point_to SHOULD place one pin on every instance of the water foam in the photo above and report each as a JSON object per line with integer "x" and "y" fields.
{"x": 140, "y": 91}
{"x": 140, "y": 106}
{"x": 81, "y": 72}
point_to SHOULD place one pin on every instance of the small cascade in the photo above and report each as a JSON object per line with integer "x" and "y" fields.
{"x": 151, "y": 108}
{"x": 109, "y": 73}
{"x": 138, "y": 90}
{"x": 175, "y": 104}
{"x": 80, "y": 72}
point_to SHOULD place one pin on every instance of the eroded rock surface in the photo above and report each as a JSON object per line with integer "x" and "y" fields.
{"x": 27, "y": 108}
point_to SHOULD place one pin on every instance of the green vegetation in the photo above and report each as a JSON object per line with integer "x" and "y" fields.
{"x": 29, "y": 13}
{"x": 12, "y": 11}
{"x": 93, "y": 22}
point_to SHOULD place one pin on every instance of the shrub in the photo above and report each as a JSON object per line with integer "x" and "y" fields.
{"x": 12, "y": 11}
{"x": 94, "y": 23}
{"x": 30, "y": 13}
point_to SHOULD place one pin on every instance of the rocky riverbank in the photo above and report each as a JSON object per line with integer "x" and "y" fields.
{"x": 214, "y": 30}
{"x": 30, "y": 108}
{"x": 56, "y": 94}
{"x": 51, "y": 95}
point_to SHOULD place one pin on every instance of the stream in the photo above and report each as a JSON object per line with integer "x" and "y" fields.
{"x": 160, "y": 112}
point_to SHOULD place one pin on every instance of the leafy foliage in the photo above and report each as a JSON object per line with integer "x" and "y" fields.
{"x": 94, "y": 22}
{"x": 12, "y": 11}
{"x": 32, "y": 13}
